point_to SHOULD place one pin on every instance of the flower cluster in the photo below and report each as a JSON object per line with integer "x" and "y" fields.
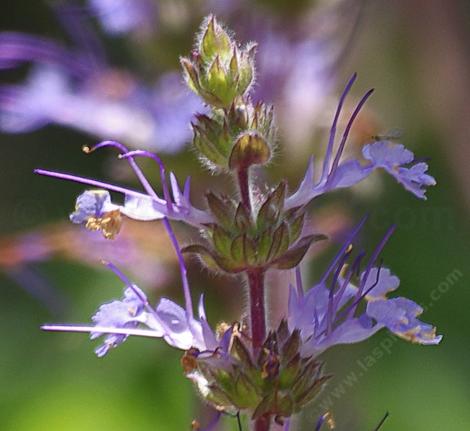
{"x": 266, "y": 373}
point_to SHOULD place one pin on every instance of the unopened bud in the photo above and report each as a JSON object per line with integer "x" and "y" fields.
{"x": 249, "y": 149}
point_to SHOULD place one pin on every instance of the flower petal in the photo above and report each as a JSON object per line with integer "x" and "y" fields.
{"x": 399, "y": 316}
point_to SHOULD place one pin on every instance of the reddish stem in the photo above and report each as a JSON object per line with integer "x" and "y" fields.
{"x": 262, "y": 424}
{"x": 258, "y": 326}
{"x": 257, "y": 313}
{"x": 256, "y": 286}
{"x": 244, "y": 185}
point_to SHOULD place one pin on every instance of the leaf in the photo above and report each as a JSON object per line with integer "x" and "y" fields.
{"x": 293, "y": 256}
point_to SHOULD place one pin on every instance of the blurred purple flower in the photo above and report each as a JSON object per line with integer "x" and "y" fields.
{"x": 75, "y": 88}
{"x": 123, "y": 16}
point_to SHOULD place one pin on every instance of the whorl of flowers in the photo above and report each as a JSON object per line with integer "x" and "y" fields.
{"x": 247, "y": 367}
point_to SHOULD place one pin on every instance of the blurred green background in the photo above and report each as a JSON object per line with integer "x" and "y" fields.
{"x": 416, "y": 54}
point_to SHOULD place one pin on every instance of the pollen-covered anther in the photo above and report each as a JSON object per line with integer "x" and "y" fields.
{"x": 109, "y": 224}
{"x": 222, "y": 328}
{"x": 270, "y": 368}
{"x": 330, "y": 421}
{"x": 189, "y": 360}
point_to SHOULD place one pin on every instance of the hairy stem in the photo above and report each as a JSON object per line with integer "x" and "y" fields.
{"x": 258, "y": 325}
{"x": 256, "y": 293}
{"x": 244, "y": 185}
{"x": 257, "y": 312}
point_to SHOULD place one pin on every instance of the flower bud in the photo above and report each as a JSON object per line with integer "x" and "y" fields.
{"x": 215, "y": 41}
{"x": 220, "y": 71}
{"x": 237, "y": 138}
{"x": 250, "y": 149}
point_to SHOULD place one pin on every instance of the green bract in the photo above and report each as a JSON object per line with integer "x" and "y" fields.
{"x": 237, "y": 241}
{"x": 275, "y": 381}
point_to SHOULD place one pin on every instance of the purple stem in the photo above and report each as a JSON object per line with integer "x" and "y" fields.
{"x": 257, "y": 310}
{"x": 298, "y": 282}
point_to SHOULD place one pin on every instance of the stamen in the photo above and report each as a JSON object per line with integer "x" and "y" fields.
{"x": 347, "y": 130}
{"x": 148, "y": 154}
{"x": 130, "y": 285}
{"x": 17, "y": 48}
{"x": 94, "y": 183}
{"x": 123, "y": 150}
{"x": 327, "y": 419}
{"x": 375, "y": 255}
{"x": 298, "y": 281}
{"x": 102, "y": 329}
{"x": 329, "y": 314}
{"x": 331, "y": 141}
{"x": 343, "y": 249}
{"x": 239, "y": 422}
{"x": 347, "y": 279}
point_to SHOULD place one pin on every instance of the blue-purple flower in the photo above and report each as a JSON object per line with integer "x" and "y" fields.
{"x": 94, "y": 208}
{"x": 133, "y": 315}
{"x": 330, "y": 313}
{"x": 76, "y": 87}
{"x": 337, "y": 173}
{"x": 123, "y": 16}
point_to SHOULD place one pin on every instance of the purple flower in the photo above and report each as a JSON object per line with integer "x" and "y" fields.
{"x": 95, "y": 98}
{"x": 398, "y": 315}
{"x": 329, "y": 313}
{"x": 133, "y": 315}
{"x": 76, "y": 88}
{"x": 123, "y": 16}
{"x": 393, "y": 158}
{"x": 126, "y": 313}
{"x": 94, "y": 207}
